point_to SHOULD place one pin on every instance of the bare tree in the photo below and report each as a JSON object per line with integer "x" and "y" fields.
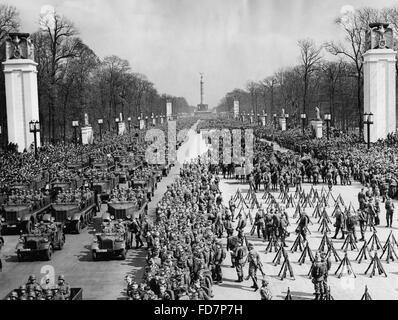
{"x": 354, "y": 26}
{"x": 63, "y": 44}
{"x": 9, "y": 21}
{"x": 310, "y": 56}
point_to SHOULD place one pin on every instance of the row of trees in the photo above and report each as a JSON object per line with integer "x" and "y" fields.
{"x": 73, "y": 80}
{"x": 328, "y": 76}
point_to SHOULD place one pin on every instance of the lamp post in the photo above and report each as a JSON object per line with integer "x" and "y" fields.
{"x": 75, "y": 125}
{"x": 100, "y": 123}
{"x": 328, "y": 118}
{"x": 303, "y": 117}
{"x": 117, "y": 120}
{"x": 34, "y": 127}
{"x": 368, "y": 120}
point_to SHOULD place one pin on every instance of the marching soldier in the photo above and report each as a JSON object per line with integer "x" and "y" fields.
{"x": 254, "y": 263}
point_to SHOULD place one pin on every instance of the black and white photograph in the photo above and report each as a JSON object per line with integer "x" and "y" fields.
{"x": 185, "y": 150}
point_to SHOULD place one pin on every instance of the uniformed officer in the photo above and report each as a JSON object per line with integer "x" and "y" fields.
{"x": 389, "y": 206}
{"x": 362, "y": 219}
{"x": 241, "y": 226}
{"x": 318, "y": 272}
{"x": 303, "y": 225}
{"x": 219, "y": 256}
{"x": 339, "y": 224}
{"x": 254, "y": 262}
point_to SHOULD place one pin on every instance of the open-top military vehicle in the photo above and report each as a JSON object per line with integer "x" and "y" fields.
{"x": 104, "y": 187}
{"x": 74, "y": 215}
{"x": 23, "y": 216}
{"x": 42, "y": 241}
{"x": 75, "y": 294}
{"x": 58, "y": 185}
{"x": 127, "y": 210}
{"x": 114, "y": 239}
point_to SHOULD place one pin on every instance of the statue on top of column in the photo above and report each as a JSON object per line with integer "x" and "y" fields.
{"x": 379, "y": 36}
{"x": 19, "y": 46}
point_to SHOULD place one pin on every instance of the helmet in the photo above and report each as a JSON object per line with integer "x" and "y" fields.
{"x": 61, "y": 277}
{"x": 32, "y": 277}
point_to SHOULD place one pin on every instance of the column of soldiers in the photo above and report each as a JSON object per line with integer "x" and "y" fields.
{"x": 32, "y": 290}
{"x": 184, "y": 251}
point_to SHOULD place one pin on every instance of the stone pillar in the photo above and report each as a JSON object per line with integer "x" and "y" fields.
{"x": 379, "y": 92}
{"x": 87, "y": 135}
{"x": 317, "y": 127}
{"x": 251, "y": 119}
{"x": 122, "y": 128}
{"x": 22, "y": 101}
{"x": 282, "y": 123}
{"x": 161, "y": 120}
{"x": 263, "y": 120}
{"x": 154, "y": 121}
{"x": 142, "y": 124}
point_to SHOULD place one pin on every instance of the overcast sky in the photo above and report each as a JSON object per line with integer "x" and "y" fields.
{"x": 171, "y": 41}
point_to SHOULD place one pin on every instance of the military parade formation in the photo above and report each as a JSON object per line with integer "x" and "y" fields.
{"x": 195, "y": 227}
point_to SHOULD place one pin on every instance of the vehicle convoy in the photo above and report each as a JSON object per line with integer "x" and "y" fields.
{"x": 113, "y": 240}
{"x": 74, "y": 209}
{"x": 42, "y": 240}
{"x": 22, "y": 210}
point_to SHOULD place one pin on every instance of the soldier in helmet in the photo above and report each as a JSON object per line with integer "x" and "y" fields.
{"x": 240, "y": 258}
{"x": 318, "y": 272}
{"x": 32, "y": 284}
{"x": 49, "y": 295}
{"x": 31, "y": 295}
{"x": 22, "y": 293}
{"x": 303, "y": 225}
{"x": 325, "y": 259}
{"x": 265, "y": 292}
{"x": 63, "y": 287}
{"x": 13, "y": 296}
{"x": 254, "y": 262}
